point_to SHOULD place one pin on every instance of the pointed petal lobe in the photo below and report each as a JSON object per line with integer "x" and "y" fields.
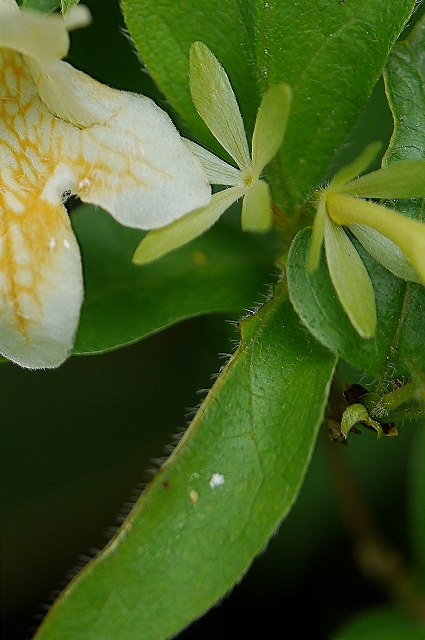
{"x": 358, "y": 166}
{"x": 256, "y": 208}
{"x": 351, "y": 280}
{"x": 161, "y": 241}
{"x": 216, "y": 103}
{"x": 270, "y": 125}
{"x": 404, "y": 179}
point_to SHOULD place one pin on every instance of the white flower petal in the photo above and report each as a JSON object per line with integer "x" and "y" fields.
{"x": 131, "y": 159}
{"x": 218, "y": 171}
{"x": 38, "y": 35}
{"x": 161, "y": 241}
{"x": 256, "y": 208}
{"x": 41, "y": 286}
{"x": 216, "y": 103}
{"x": 351, "y": 280}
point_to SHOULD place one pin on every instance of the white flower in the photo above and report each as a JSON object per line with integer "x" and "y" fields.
{"x": 62, "y": 132}
{"x": 216, "y": 103}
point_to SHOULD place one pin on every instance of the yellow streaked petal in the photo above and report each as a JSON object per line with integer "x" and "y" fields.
{"x": 270, "y": 125}
{"x": 256, "y": 208}
{"x": 408, "y": 234}
{"x": 136, "y": 166}
{"x": 216, "y": 103}
{"x": 131, "y": 160}
{"x": 41, "y": 286}
{"x": 351, "y": 280}
{"x": 161, "y": 241}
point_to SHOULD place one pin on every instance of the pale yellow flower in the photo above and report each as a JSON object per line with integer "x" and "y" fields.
{"x": 393, "y": 239}
{"x": 216, "y": 103}
{"x": 61, "y": 132}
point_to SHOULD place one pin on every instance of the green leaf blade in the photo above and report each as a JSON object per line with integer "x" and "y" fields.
{"x": 66, "y": 5}
{"x": 219, "y": 497}
{"x": 319, "y": 59}
{"x": 221, "y": 272}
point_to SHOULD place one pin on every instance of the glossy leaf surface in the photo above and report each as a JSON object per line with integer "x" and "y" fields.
{"x": 223, "y": 271}
{"x": 217, "y": 499}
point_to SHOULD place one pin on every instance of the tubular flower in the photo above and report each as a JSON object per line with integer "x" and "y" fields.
{"x": 216, "y": 103}
{"x": 63, "y": 133}
{"x": 393, "y": 239}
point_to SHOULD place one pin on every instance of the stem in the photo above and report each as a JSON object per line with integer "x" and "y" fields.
{"x": 394, "y": 399}
{"x": 376, "y": 558}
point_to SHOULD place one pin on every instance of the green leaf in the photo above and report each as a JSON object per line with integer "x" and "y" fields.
{"x": 46, "y": 6}
{"x": 417, "y": 501}
{"x": 223, "y": 271}
{"x": 219, "y": 497}
{"x": 316, "y": 47}
{"x": 384, "y": 623}
{"x": 66, "y": 5}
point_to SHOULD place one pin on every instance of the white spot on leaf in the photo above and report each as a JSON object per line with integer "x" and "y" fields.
{"x": 217, "y": 480}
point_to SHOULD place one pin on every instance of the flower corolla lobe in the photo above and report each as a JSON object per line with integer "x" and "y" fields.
{"x": 62, "y": 132}
{"x": 216, "y": 103}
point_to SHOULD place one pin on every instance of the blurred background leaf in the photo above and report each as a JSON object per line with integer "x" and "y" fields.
{"x": 41, "y": 5}
{"x": 382, "y": 624}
